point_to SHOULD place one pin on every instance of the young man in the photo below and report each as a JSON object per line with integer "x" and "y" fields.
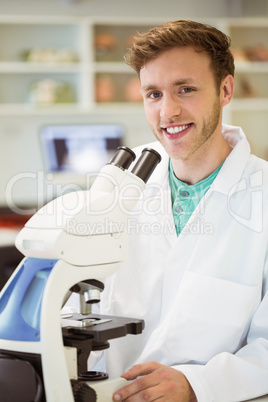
{"x": 197, "y": 269}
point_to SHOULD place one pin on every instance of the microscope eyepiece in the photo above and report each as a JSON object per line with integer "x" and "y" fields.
{"x": 146, "y": 164}
{"x": 123, "y": 157}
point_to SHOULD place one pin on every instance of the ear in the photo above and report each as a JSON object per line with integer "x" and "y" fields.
{"x": 227, "y": 90}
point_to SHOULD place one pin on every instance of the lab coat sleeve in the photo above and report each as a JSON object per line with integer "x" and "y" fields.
{"x": 236, "y": 377}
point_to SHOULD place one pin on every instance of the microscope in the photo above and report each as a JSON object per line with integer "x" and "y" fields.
{"x": 71, "y": 245}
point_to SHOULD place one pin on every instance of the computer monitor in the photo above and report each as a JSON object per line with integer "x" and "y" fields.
{"x": 79, "y": 149}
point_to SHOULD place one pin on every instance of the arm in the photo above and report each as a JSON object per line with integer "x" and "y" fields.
{"x": 237, "y": 377}
{"x": 241, "y": 376}
{"x": 226, "y": 377}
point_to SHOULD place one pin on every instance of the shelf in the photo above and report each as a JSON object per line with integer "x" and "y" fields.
{"x": 246, "y": 22}
{"x": 251, "y": 67}
{"x": 47, "y": 110}
{"x": 71, "y": 109}
{"x": 46, "y": 68}
{"x": 103, "y": 60}
{"x": 111, "y": 67}
{"x": 250, "y": 104}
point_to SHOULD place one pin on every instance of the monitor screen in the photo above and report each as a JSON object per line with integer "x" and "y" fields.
{"x": 79, "y": 149}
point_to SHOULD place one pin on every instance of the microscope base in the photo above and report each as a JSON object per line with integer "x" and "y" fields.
{"x": 105, "y": 389}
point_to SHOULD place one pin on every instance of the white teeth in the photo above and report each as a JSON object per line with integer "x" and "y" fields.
{"x": 175, "y": 130}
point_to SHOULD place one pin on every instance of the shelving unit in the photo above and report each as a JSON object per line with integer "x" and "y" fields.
{"x": 97, "y": 60}
{"x": 249, "y": 107}
{"x": 21, "y": 35}
{"x": 99, "y": 47}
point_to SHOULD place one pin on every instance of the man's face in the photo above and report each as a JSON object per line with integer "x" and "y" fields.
{"x": 181, "y": 102}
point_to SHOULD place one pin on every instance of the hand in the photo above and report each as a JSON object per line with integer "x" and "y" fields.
{"x": 157, "y": 382}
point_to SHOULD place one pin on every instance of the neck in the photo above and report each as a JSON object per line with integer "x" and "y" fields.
{"x": 203, "y": 162}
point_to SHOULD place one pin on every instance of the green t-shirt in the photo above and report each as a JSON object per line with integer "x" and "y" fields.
{"x": 185, "y": 198}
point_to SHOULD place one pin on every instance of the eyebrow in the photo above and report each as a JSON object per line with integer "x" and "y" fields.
{"x": 183, "y": 81}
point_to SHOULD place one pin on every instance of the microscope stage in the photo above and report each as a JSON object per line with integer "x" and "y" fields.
{"x": 100, "y": 328}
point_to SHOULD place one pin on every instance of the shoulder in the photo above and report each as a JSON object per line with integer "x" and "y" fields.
{"x": 255, "y": 161}
{"x": 256, "y": 179}
{"x": 257, "y": 165}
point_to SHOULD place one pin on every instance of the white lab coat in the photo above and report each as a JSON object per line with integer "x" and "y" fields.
{"x": 203, "y": 295}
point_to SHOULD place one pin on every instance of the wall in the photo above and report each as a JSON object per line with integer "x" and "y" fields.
{"x": 168, "y": 9}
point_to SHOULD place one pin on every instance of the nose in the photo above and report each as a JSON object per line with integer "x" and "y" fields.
{"x": 169, "y": 108}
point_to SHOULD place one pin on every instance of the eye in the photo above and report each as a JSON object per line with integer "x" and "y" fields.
{"x": 154, "y": 95}
{"x": 187, "y": 90}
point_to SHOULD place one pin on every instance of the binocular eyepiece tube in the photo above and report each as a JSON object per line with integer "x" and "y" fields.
{"x": 144, "y": 166}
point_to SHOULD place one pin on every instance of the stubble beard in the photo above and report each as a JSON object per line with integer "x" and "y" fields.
{"x": 202, "y": 140}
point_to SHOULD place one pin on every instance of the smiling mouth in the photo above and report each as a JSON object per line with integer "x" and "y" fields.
{"x": 176, "y": 129}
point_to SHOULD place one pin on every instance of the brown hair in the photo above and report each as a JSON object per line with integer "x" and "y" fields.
{"x": 201, "y": 37}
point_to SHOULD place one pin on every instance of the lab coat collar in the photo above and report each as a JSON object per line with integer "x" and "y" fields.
{"x": 231, "y": 172}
